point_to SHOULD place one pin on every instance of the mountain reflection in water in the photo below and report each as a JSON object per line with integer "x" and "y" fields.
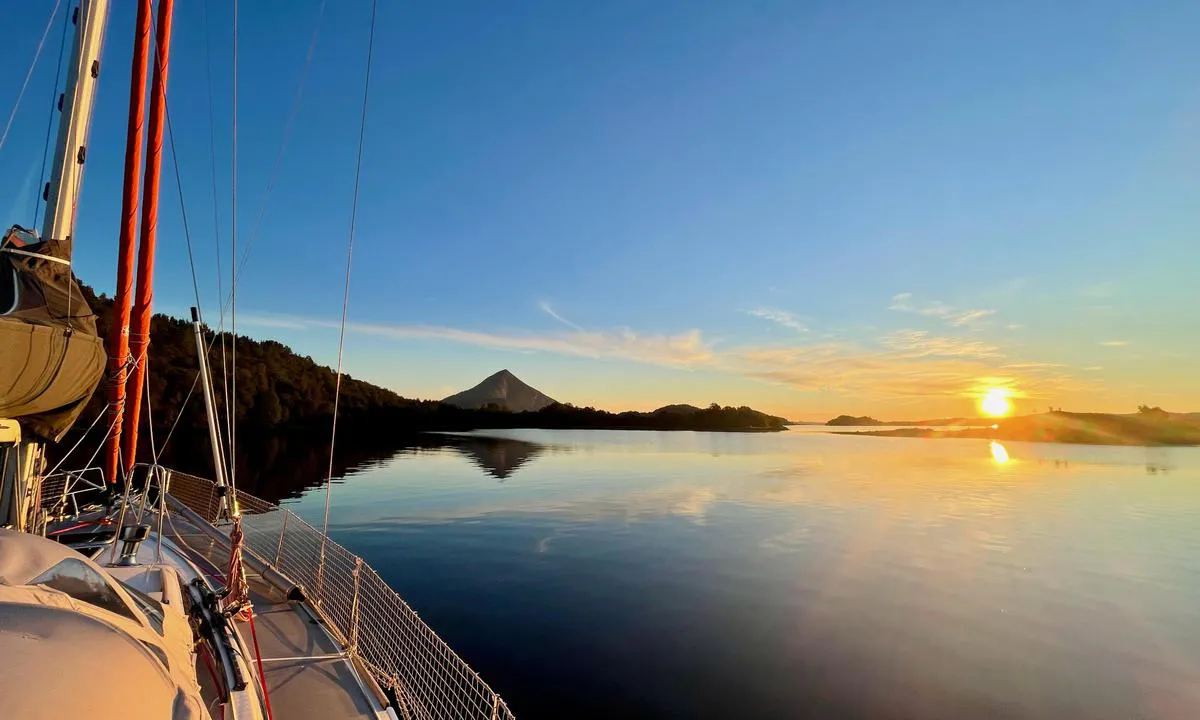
{"x": 276, "y": 468}
{"x": 497, "y": 456}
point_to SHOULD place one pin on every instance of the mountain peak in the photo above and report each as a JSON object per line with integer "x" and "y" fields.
{"x": 503, "y": 389}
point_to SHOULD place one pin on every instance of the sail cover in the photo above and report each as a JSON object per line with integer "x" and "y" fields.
{"x": 51, "y": 357}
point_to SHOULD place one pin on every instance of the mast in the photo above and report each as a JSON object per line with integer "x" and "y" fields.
{"x": 139, "y": 327}
{"x": 118, "y": 340}
{"x": 70, "y": 151}
{"x": 19, "y": 483}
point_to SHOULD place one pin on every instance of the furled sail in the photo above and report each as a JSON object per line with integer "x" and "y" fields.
{"x": 51, "y": 357}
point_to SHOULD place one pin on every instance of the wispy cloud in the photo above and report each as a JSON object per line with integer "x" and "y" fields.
{"x": 274, "y": 321}
{"x": 545, "y": 307}
{"x": 1031, "y": 365}
{"x": 1115, "y": 343}
{"x": 779, "y": 317}
{"x": 682, "y": 350}
{"x": 968, "y": 317}
{"x": 920, "y": 343}
{"x": 905, "y": 364}
{"x": 686, "y": 349}
{"x": 904, "y": 302}
{"x": 910, "y": 364}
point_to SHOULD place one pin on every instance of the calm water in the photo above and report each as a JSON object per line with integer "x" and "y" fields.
{"x": 800, "y": 574}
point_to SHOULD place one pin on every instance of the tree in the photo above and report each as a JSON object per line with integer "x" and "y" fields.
{"x": 266, "y": 412}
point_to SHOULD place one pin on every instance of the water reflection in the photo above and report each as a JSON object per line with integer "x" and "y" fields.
{"x": 278, "y": 468}
{"x": 496, "y": 456}
{"x": 794, "y": 575}
{"x": 1158, "y": 461}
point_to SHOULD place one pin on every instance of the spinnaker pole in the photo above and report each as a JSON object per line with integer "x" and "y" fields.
{"x": 210, "y": 407}
{"x": 139, "y": 326}
{"x": 118, "y": 338}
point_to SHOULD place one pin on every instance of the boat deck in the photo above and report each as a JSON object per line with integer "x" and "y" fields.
{"x": 307, "y": 673}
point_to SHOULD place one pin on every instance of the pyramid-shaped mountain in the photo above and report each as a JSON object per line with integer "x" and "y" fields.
{"x": 504, "y": 390}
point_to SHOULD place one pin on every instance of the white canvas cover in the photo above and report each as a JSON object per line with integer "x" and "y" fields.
{"x": 64, "y": 657}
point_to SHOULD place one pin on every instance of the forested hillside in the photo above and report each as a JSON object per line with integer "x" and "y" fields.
{"x": 276, "y": 388}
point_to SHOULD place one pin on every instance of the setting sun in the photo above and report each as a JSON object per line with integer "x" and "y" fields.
{"x": 995, "y": 402}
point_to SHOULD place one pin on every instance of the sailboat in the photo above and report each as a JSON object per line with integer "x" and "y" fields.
{"x": 150, "y": 593}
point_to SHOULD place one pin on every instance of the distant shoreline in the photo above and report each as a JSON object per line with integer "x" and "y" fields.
{"x": 1145, "y": 430}
{"x": 620, "y": 427}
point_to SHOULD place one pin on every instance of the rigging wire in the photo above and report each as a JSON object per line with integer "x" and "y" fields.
{"x": 149, "y": 417}
{"x": 37, "y": 54}
{"x": 78, "y": 442}
{"x": 62, "y": 51}
{"x": 337, "y": 388}
{"x": 187, "y": 235}
{"x": 293, "y": 113}
{"x": 229, "y": 302}
{"x": 153, "y": 470}
{"x": 212, "y": 158}
{"x": 186, "y": 399}
{"x": 231, "y": 401}
{"x": 287, "y": 133}
{"x": 195, "y": 288}
{"x": 195, "y": 281}
{"x": 212, "y": 154}
{"x": 157, "y": 450}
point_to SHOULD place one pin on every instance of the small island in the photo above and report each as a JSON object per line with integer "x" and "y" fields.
{"x": 867, "y": 421}
{"x": 851, "y": 421}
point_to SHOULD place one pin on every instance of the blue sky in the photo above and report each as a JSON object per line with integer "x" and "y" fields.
{"x": 807, "y": 207}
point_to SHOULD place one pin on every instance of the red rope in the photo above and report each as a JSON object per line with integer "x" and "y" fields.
{"x": 238, "y": 598}
{"x": 212, "y": 673}
{"x": 85, "y": 523}
{"x": 262, "y": 676}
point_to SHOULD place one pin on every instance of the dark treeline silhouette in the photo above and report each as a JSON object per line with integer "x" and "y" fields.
{"x": 851, "y": 421}
{"x": 565, "y": 416}
{"x": 282, "y": 394}
{"x": 1152, "y": 411}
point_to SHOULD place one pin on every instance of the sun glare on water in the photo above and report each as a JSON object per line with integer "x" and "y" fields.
{"x": 996, "y": 403}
